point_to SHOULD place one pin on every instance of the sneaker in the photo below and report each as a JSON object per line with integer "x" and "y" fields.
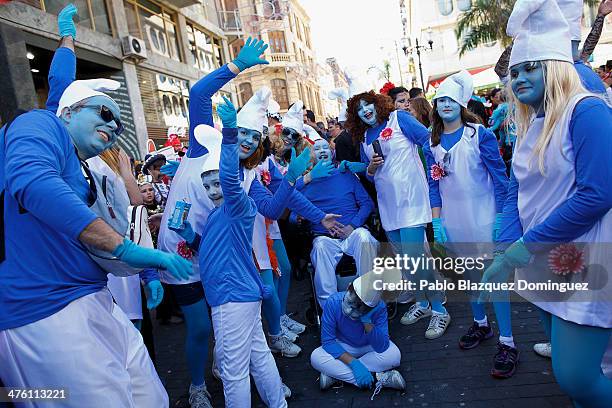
{"x": 291, "y": 336}
{"x": 326, "y": 382}
{"x": 543, "y": 349}
{"x": 505, "y": 361}
{"x": 280, "y": 344}
{"x": 199, "y": 397}
{"x": 286, "y": 390}
{"x": 414, "y": 314}
{"x": 389, "y": 379}
{"x": 292, "y": 325}
{"x": 474, "y": 336}
{"x": 437, "y": 325}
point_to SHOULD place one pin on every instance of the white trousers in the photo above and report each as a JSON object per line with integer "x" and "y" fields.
{"x": 241, "y": 347}
{"x": 325, "y": 363}
{"x": 326, "y": 253}
{"x": 91, "y": 349}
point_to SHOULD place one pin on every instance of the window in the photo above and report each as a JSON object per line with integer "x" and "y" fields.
{"x": 155, "y": 24}
{"x": 295, "y": 53}
{"x": 92, "y": 13}
{"x": 464, "y": 5}
{"x": 307, "y": 36}
{"x": 290, "y": 18}
{"x": 245, "y": 91}
{"x": 279, "y": 93}
{"x": 445, "y": 6}
{"x": 205, "y": 49}
{"x": 298, "y": 28}
{"x": 277, "y": 41}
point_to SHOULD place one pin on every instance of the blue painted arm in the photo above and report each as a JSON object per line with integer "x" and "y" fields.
{"x": 329, "y": 341}
{"x": 492, "y": 160}
{"x": 590, "y": 130}
{"x": 61, "y": 74}
{"x": 378, "y": 337}
{"x": 200, "y": 105}
{"x": 268, "y": 205}
{"x": 234, "y": 197}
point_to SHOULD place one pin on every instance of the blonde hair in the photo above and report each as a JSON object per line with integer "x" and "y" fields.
{"x": 561, "y": 85}
{"x": 111, "y": 157}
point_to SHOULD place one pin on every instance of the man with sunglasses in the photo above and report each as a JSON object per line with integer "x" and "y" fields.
{"x": 59, "y": 327}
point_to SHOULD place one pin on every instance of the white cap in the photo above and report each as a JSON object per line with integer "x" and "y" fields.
{"x": 253, "y": 113}
{"x": 540, "y": 32}
{"x": 273, "y": 107}
{"x": 294, "y": 118}
{"x": 369, "y": 287}
{"x": 210, "y": 138}
{"x": 341, "y": 93}
{"x": 83, "y": 89}
{"x": 459, "y": 87}
{"x": 572, "y": 11}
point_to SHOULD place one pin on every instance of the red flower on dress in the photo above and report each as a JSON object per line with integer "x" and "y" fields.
{"x": 265, "y": 177}
{"x": 183, "y": 250}
{"x": 437, "y": 172}
{"x": 386, "y": 134}
{"x": 566, "y": 259}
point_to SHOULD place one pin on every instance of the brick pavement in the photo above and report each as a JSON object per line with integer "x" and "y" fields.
{"x": 438, "y": 373}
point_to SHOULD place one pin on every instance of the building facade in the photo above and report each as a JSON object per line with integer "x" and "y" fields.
{"x": 292, "y": 73}
{"x": 183, "y": 41}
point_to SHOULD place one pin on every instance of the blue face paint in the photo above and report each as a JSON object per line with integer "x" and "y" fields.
{"x": 248, "y": 142}
{"x": 89, "y": 131}
{"x": 448, "y": 109}
{"x": 290, "y": 138}
{"x": 367, "y": 113}
{"x": 212, "y": 185}
{"x": 352, "y": 306}
{"x": 322, "y": 151}
{"x": 527, "y": 80}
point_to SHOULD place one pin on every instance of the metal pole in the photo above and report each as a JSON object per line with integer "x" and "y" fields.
{"x": 418, "y": 48}
{"x": 399, "y": 67}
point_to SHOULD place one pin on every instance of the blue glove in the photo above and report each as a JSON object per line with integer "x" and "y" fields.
{"x": 227, "y": 113}
{"x": 497, "y": 225}
{"x": 298, "y": 165}
{"x": 439, "y": 231}
{"x": 516, "y": 256}
{"x": 321, "y": 169}
{"x": 155, "y": 293}
{"x": 65, "y": 22}
{"x": 185, "y": 231}
{"x": 353, "y": 167}
{"x": 249, "y": 54}
{"x": 363, "y": 376}
{"x": 170, "y": 168}
{"x": 140, "y": 257}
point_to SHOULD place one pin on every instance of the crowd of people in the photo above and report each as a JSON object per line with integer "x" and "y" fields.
{"x": 92, "y": 243}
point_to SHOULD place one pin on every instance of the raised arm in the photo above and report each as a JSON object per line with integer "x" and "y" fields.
{"x": 592, "y": 39}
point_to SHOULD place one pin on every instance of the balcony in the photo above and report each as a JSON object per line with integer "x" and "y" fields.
{"x": 230, "y": 21}
{"x": 280, "y": 57}
{"x": 183, "y": 3}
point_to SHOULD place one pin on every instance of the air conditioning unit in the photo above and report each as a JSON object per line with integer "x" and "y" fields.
{"x": 134, "y": 47}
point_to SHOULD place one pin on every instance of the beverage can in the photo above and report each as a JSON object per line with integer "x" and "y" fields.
{"x": 179, "y": 215}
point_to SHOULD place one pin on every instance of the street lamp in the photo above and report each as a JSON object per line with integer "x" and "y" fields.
{"x": 417, "y": 47}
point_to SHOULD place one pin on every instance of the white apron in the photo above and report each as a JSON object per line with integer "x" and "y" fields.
{"x": 265, "y": 166}
{"x": 401, "y": 185}
{"x": 538, "y": 197}
{"x": 468, "y": 197}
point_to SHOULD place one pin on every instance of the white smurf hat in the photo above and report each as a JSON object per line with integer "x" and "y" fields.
{"x": 459, "y": 87}
{"x": 540, "y": 32}
{"x": 253, "y": 113}
{"x": 83, "y": 89}
{"x": 572, "y": 11}
{"x": 294, "y": 118}
{"x": 210, "y": 138}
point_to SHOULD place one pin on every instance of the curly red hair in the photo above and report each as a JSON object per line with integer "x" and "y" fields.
{"x": 354, "y": 125}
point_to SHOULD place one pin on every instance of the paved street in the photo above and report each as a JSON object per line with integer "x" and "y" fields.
{"x": 437, "y": 372}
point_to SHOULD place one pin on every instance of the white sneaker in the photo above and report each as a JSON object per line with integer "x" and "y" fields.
{"x": 414, "y": 314}
{"x": 543, "y": 349}
{"x": 199, "y": 397}
{"x": 326, "y": 382}
{"x": 291, "y": 336}
{"x": 389, "y": 379}
{"x": 292, "y": 325}
{"x": 437, "y": 325}
{"x": 280, "y": 344}
{"x": 286, "y": 390}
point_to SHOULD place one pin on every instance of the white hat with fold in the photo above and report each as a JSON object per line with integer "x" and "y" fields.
{"x": 253, "y": 113}
{"x": 294, "y": 118}
{"x": 83, "y": 89}
{"x": 459, "y": 87}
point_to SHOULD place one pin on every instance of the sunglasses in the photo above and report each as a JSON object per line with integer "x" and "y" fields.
{"x": 107, "y": 115}
{"x": 288, "y": 132}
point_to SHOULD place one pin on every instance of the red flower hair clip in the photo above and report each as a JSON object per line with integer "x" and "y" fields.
{"x": 566, "y": 259}
{"x": 437, "y": 172}
{"x": 386, "y": 88}
{"x": 183, "y": 250}
{"x": 386, "y": 134}
{"x": 266, "y": 178}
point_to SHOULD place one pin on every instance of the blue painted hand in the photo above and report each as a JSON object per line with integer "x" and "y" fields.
{"x": 363, "y": 376}
{"x": 140, "y": 257}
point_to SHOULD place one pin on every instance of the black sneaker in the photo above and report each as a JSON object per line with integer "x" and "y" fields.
{"x": 506, "y": 361}
{"x": 474, "y": 336}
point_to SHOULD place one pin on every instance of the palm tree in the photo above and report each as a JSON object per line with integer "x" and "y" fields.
{"x": 486, "y": 22}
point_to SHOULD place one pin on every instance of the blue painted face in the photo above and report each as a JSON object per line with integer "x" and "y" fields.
{"x": 528, "y": 85}
{"x": 367, "y": 113}
{"x": 212, "y": 184}
{"x": 248, "y": 142}
{"x": 352, "y": 306}
{"x": 322, "y": 151}
{"x": 448, "y": 109}
{"x": 88, "y": 128}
